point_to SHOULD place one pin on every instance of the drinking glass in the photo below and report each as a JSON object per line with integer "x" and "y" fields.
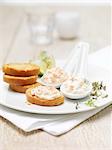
{"x": 41, "y": 28}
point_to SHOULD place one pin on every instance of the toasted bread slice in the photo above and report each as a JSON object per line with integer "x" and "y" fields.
{"x": 19, "y": 80}
{"x": 23, "y": 88}
{"x": 21, "y": 69}
{"x": 43, "y": 102}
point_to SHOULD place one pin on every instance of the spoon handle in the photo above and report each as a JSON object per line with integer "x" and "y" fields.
{"x": 72, "y": 62}
{"x": 72, "y": 59}
{"x": 80, "y": 69}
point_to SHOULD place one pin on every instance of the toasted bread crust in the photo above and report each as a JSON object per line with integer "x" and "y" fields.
{"x": 19, "y": 80}
{"x": 38, "y": 101}
{"x": 23, "y": 88}
{"x": 21, "y": 69}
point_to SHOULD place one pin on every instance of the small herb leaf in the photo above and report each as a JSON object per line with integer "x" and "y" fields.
{"x": 98, "y": 91}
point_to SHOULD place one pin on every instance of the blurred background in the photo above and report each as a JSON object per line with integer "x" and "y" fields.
{"x": 54, "y": 27}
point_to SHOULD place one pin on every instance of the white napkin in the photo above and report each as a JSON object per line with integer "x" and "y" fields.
{"x": 54, "y": 124}
{"x": 66, "y": 124}
{"x": 28, "y": 121}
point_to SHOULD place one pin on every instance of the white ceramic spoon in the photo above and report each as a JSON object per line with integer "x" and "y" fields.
{"x": 80, "y": 70}
{"x": 76, "y": 95}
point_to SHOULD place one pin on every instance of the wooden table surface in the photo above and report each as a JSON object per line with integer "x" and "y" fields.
{"x": 95, "y": 133}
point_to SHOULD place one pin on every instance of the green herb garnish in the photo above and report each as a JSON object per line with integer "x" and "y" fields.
{"x": 46, "y": 62}
{"x": 98, "y": 91}
{"x": 91, "y": 103}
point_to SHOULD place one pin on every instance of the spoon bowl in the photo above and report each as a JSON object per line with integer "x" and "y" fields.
{"x": 46, "y": 84}
{"x": 76, "y": 95}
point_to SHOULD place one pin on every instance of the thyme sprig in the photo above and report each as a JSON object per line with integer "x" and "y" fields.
{"x": 91, "y": 103}
{"x": 98, "y": 91}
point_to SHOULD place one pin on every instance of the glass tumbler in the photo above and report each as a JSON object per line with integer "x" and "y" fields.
{"x": 41, "y": 28}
